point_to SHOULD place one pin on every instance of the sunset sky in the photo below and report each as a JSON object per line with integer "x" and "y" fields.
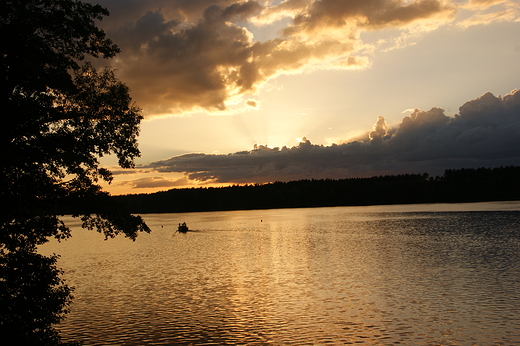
{"x": 237, "y": 92}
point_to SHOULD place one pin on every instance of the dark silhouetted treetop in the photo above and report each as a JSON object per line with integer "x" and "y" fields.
{"x": 43, "y": 39}
{"x": 60, "y": 115}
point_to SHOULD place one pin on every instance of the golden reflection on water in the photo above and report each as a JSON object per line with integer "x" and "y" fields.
{"x": 300, "y": 276}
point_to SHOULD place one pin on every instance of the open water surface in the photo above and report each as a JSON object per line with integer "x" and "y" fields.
{"x": 409, "y": 275}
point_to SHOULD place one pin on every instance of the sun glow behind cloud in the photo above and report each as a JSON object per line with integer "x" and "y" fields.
{"x": 485, "y": 131}
{"x": 216, "y": 77}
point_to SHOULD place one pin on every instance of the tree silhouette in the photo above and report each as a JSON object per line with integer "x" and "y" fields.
{"x": 456, "y": 185}
{"x": 60, "y": 115}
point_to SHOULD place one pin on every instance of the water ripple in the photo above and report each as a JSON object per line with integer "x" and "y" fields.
{"x": 327, "y": 276}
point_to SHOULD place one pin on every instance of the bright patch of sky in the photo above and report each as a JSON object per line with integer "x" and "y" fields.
{"x": 207, "y": 87}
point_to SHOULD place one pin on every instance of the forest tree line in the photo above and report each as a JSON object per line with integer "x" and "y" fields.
{"x": 456, "y": 185}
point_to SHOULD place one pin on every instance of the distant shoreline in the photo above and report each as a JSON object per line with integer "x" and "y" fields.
{"x": 455, "y": 186}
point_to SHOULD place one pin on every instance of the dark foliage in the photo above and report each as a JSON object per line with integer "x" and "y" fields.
{"x": 32, "y": 297}
{"x": 463, "y": 185}
{"x": 59, "y": 116}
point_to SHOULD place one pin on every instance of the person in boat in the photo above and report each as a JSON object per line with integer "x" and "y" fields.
{"x": 182, "y": 227}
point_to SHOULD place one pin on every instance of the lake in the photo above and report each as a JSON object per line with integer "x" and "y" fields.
{"x": 439, "y": 274}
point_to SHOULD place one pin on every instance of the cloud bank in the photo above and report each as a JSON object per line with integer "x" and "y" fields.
{"x": 485, "y": 132}
{"x": 185, "y": 55}
{"x": 153, "y": 182}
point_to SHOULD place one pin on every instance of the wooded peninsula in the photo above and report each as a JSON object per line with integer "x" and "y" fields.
{"x": 456, "y": 185}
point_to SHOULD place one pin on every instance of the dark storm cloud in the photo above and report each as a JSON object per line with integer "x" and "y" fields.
{"x": 154, "y": 182}
{"x": 486, "y": 132}
{"x": 184, "y": 55}
{"x": 173, "y": 65}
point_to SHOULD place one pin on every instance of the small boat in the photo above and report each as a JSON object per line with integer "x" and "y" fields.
{"x": 182, "y": 228}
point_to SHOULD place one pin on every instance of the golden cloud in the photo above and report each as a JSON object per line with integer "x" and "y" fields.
{"x": 182, "y": 56}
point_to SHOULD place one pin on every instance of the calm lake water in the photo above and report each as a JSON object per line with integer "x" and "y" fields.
{"x": 412, "y": 275}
